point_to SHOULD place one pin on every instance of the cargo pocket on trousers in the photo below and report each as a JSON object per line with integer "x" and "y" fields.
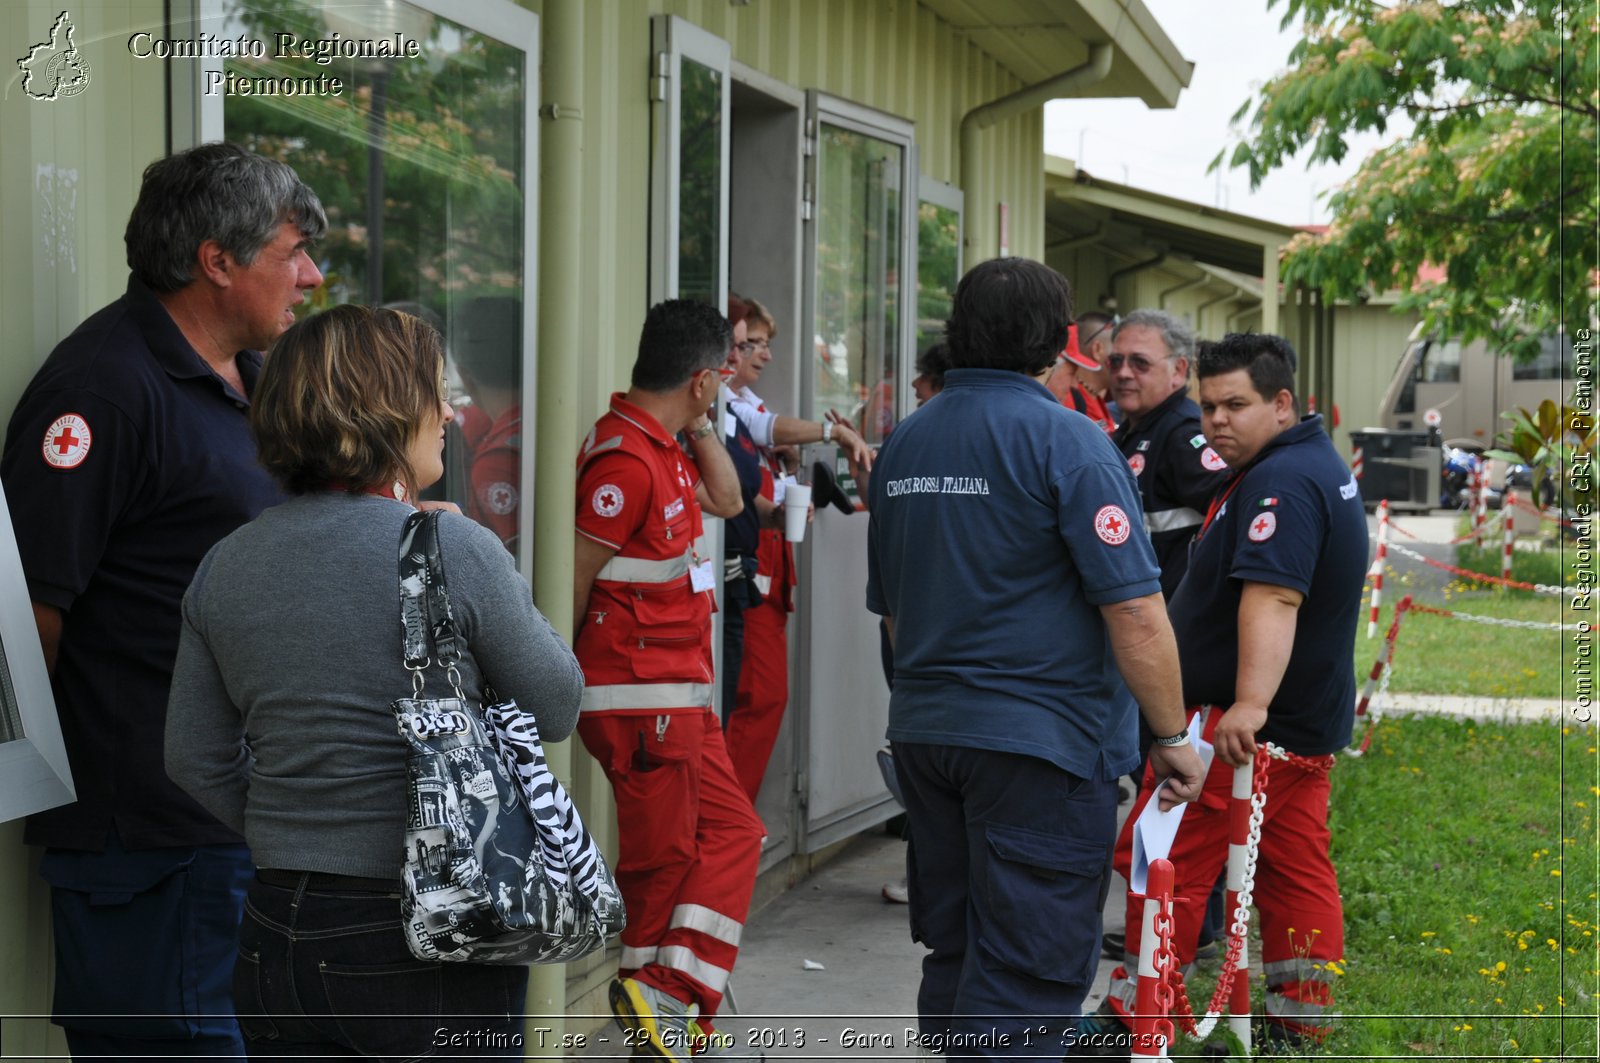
{"x": 1044, "y": 895}
{"x": 661, "y": 795}
{"x": 124, "y": 945}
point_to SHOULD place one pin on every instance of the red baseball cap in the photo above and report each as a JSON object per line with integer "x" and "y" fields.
{"x": 1075, "y": 356}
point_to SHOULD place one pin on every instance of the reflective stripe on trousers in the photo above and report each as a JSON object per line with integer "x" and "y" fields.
{"x": 645, "y": 697}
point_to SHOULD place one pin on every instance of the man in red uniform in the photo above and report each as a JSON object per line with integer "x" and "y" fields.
{"x": 689, "y": 838}
{"x": 1066, "y": 383}
{"x": 488, "y": 357}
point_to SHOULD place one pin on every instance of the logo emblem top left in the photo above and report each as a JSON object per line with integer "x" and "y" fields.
{"x": 66, "y": 441}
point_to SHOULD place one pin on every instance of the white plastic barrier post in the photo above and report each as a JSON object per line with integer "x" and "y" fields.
{"x": 1378, "y": 558}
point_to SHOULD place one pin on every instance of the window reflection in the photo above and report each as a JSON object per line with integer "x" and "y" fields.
{"x": 938, "y": 255}
{"x": 860, "y": 181}
{"x": 10, "y": 715}
{"x": 420, "y": 166}
{"x": 1551, "y": 363}
{"x": 700, "y": 191}
{"x": 486, "y": 354}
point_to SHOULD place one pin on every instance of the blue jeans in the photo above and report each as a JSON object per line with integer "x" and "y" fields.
{"x": 1008, "y": 867}
{"x": 328, "y": 973}
{"x": 144, "y": 944}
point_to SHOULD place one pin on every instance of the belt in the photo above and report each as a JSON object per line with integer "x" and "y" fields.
{"x": 322, "y": 880}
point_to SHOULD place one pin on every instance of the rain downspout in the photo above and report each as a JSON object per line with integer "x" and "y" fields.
{"x": 1161, "y": 301}
{"x": 975, "y": 121}
{"x": 1108, "y": 301}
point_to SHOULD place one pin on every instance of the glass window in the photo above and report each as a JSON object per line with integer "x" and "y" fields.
{"x": 1441, "y": 363}
{"x": 700, "y": 191}
{"x": 1555, "y": 355}
{"x": 34, "y": 774}
{"x": 938, "y": 269}
{"x": 420, "y": 163}
{"x": 859, "y": 238}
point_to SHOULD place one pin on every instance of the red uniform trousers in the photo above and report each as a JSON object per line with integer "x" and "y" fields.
{"x": 690, "y": 843}
{"x": 1296, "y": 892}
{"x": 763, "y": 693}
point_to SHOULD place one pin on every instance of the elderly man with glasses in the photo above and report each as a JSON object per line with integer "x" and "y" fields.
{"x": 1160, "y": 434}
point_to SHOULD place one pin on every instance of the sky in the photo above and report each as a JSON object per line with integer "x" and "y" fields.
{"x": 1236, "y": 48}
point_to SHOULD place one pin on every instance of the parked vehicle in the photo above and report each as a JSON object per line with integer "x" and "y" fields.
{"x": 1462, "y": 390}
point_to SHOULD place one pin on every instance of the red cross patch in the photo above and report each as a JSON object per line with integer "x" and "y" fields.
{"x": 1112, "y": 525}
{"x": 1262, "y": 527}
{"x": 1136, "y": 463}
{"x": 66, "y": 441}
{"x": 607, "y": 500}
{"x": 500, "y": 498}
{"x": 1212, "y": 461}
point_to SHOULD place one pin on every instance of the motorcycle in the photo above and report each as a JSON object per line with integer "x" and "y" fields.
{"x": 1459, "y": 475}
{"x": 1458, "y": 479}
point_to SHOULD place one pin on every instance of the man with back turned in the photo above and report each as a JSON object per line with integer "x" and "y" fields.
{"x": 1007, "y": 744}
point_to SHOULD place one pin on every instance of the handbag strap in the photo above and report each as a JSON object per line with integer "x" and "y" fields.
{"x": 425, "y": 618}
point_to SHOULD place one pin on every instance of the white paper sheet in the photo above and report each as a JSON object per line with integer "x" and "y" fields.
{"x": 1154, "y": 830}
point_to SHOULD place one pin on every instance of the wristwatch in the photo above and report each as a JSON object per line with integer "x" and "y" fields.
{"x": 703, "y": 431}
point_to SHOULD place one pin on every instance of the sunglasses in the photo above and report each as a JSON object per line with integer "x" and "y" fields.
{"x": 1138, "y": 363}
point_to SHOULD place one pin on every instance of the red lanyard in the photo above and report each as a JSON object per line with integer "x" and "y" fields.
{"x": 1217, "y": 503}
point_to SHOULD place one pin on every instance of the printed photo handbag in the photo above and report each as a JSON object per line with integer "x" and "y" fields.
{"x": 498, "y": 865}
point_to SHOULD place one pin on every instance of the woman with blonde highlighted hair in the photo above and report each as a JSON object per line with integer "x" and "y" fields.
{"x": 290, "y": 654}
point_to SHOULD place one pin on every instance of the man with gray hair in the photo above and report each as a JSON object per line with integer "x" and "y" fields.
{"x": 1178, "y": 472}
{"x": 127, "y": 458}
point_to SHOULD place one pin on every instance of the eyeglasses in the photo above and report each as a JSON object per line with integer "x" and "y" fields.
{"x": 1084, "y": 341}
{"x": 1138, "y": 363}
{"x": 753, "y": 345}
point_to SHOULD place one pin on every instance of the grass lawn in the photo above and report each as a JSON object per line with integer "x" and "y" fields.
{"x": 1467, "y": 862}
{"x": 1441, "y": 655}
{"x": 1467, "y": 852}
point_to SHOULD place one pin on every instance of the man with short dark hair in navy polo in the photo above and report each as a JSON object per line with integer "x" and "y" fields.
{"x": 1007, "y": 741}
{"x": 128, "y": 457}
{"x": 1266, "y": 619}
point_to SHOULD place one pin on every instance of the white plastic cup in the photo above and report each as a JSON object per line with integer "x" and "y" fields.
{"x": 796, "y": 501}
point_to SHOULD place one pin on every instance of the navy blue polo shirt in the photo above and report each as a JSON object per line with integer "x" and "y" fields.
{"x": 126, "y": 459}
{"x": 742, "y": 534}
{"x": 1292, "y": 518}
{"x": 1000, "y": 522}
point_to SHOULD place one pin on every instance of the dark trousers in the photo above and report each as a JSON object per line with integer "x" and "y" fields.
{"x": 1008, "y": 869}
{"x": 144, "y": 944}
{"x": 328, "y": 973}
{"x": 735, "y": 598}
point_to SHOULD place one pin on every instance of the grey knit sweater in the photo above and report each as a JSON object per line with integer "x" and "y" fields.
{"x": 279, "y": 721}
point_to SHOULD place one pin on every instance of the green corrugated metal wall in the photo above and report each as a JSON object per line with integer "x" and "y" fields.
{"x": 892, "y": 55}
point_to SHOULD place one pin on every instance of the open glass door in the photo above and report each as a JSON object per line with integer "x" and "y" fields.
{"x": 689, "y": 193}
{"x": 426, "y": 164}
{"x": 939, "y": 217}
{"x": 860, "y": 302}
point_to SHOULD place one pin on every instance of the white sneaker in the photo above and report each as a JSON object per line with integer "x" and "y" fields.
{"x": 661, "y": 1018}
{"x": 896, "y": 892}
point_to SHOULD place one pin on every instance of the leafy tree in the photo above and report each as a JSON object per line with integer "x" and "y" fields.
{"x": 1496, "y": 181}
